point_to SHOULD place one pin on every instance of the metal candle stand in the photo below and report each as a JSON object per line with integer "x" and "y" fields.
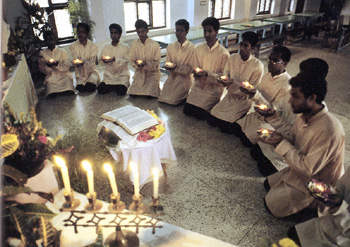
{"x": 93, "y": 205}
{"x": 116, "y": 206}
{"x": 71, "y": 203}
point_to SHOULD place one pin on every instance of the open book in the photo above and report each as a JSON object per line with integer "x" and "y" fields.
{"x": 131, "y": 118}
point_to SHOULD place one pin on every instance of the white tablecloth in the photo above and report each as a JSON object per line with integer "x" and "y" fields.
{"x": 146, "y": 155}
{"x": 168, "y": 235}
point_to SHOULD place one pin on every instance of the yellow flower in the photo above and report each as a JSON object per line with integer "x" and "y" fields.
{"x": 152, "y": 114}
{"x": 287, "y": 242}
{"x": 156, "y": 133}
{"x": 274, "y": 245}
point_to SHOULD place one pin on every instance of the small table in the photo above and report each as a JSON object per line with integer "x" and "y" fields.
{"x": 168, "y": 235}
{"x": 242, "y": 27}
{"x": 310, "y": 16}
{"x": 282, "y": 21}
{"x": 195, "y": 36}
{"x": 156, "y": 153}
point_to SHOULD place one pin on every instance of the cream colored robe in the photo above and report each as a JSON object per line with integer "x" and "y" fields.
{"x": 236, "y": 103}
{"x": 58, "y": 79}
{"x": 207, "y": 91}
{"x": 330, "y": 230}
{"x": 116, "y": 72}
{"x": 318, "y": 152}
{"x": 179, "y": 81}
{"x": 146, "y": 78}
{"x": 88, "y": 53}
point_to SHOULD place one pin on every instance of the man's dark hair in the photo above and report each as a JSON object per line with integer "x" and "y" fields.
{"x": 184, "y": 23}
{"x": 316, "y": 66}
{"x": 211, "y": 21}
{"x": 47, "y": 34}
{"x": 251, "y": 37}
{"x": 85, "y": 26}
{"x": 310, "y": 84}
{"x": 141, "y": 24}
{"x": 117, "y": 27}
{"x": 283, "y": 52}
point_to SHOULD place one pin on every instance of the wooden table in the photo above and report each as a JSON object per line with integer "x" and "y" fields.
{"x": 195, "y": 36}
{"x": 242, "y": 27}
{"x": 282, "y": 21}
{"x": 310, "y": 16}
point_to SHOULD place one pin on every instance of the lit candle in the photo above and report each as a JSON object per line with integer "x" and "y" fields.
{"x": 320, "y": 187}
{"x": 198, "y": 70}
{"x": 107, "y": 57}
{"x": 223, "y": 77}
{"x": 90, "y": 176}
{"x": 155, "y": 182}
{"x": 136, "y": 180}
{"x": 77, "y": 61}
{"x": 51, "y": 60}
{"x": 139, "y": 61}
{"x": 64, "y": 170}
{"x": 247, "y": 85}
{"x": 111, "y": 176}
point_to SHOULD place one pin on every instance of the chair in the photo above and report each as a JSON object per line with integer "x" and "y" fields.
{"x": 336, "y": 35}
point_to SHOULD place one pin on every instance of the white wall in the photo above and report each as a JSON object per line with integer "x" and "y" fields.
{"x": 12, "y": 10}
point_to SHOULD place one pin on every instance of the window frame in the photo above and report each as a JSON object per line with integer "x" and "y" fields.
{"x": 150, "y": 21}
{"x": 265, "y": 11}
{"x": 212, "y": 14}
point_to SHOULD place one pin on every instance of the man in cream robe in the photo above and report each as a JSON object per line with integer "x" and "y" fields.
{"x": 239, "y": 68}
{"x": 58, "y": 79}
{"x": 180, "y": 53}
{"x": 116, "y": 75}
{"x": 331, "y": 229}
{"x": 147, "y": 75}
{"x": 211, "y": 57}
{"x": 86, "y": 74}
{"x": 314, "y": 148}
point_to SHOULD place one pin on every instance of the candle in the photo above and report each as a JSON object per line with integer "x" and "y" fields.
{"x": 136, "y": 180}
{"x": 264, "y": 132}
{"x": 77, "y": 61}
{"x": 155, "y": 183}
{"x": 320, "y": 187}
{"x": 111, "y": 176}
{"x": 198, "y": 70}
{"x": 169, "y": 64}
{"x": 223, "y": 77}
{"x": 247, "y": 85}
{"x": 106, "y": 57}
{"x": 90, "y": 176}
{"x": 51, "y": 60}
{"x": 139, "y": 61}
{"x": 64, "y": 170}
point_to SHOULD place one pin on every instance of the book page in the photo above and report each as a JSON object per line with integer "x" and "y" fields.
{"x": 137, "y": 121}
{"x": 118, "y": 130}
{"x": 120, "y": 112}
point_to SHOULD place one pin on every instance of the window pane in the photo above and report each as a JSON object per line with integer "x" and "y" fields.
{"x": 130, "y": 15}
{"x": 210, "y": 11}
{"x": 64, "y": 27}
{"x": 218, "y": 8}
{"x": 42, "y": 3}
{"x": 227, "y": 8}
{"x": 158, "y": 13}
{"x": 144, "y": 12}
{"x": 59, "y": 1}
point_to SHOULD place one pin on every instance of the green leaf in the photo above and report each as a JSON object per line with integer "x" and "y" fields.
{"x": 21, "y": 221}
{"x": 8, "y": 191}
{"x": 36, "y": 210}
{"x": 11, "y": 172}
{"x": 47, "y": 232}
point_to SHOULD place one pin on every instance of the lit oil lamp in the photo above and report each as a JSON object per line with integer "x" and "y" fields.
{"x": 263, "y": 107}
{"x": 77, "y": 61}
{"x": 169, "y": 65}
{"x": 198, "y": 70}
{"x": 139, "y": 62}
{"x": 51, "y": 60}
{"x": 264, "y": 133}
{"x": 247, "y": 85}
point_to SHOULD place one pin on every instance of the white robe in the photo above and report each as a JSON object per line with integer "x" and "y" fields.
{"x": 179, "y": 81}
{"x": 207, "y": 91}
{"x": 146, "y": 78}
{"x": 330, "y": 230}
{"x": 314, "y": 149}
{"x": 58, "y": 79}
{"x": 116, "y": 72}
{"x": 235, "y": 104}
{"x": 88, "y": 53}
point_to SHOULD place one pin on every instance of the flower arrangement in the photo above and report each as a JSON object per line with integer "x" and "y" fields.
{"x": 34, "y": 144}
{"x": 284, "y": 242}
{"x": 154, "y": 132}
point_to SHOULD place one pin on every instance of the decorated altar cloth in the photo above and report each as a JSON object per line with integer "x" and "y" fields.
{"x": 168, "y": 235}
{"x": 146, "y": 155}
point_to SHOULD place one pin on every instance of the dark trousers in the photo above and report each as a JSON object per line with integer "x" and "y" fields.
{"x": 88, "y": 87}
{"x": 195, "y": 111}
{"x": 104, "y": 88}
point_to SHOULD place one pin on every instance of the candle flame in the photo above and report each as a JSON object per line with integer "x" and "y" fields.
{"x": 86, "y": 165}
{"x": 155, "y": 172}
{"x": 223, "y": 77}
{"x": 169, "y": 63}
{"x": 198, "y": 70}
{"x": 51, "y": 60}
{"x": 59, "y": 161}
{"x": 320, "y": 187}
{"x": 106, "y": 57}
{"x": 77, "y": 60}
{"x": 263, "y": 107}
{"x": 133, "y": 167}
{"x": 264, "y": 131}
{"x": 139, "y": 61}
{"x": 108, "y": 168}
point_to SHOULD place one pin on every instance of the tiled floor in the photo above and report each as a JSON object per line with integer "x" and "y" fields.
{"x": 216, "y": 188}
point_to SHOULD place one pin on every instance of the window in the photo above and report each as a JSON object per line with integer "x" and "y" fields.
{"x": 220, "y": 9}
{"x": 290, "y": 6}
{"x": 264, "y": 7}
{"x": 56, "y": 12}
{"x": 151, "y": 11}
